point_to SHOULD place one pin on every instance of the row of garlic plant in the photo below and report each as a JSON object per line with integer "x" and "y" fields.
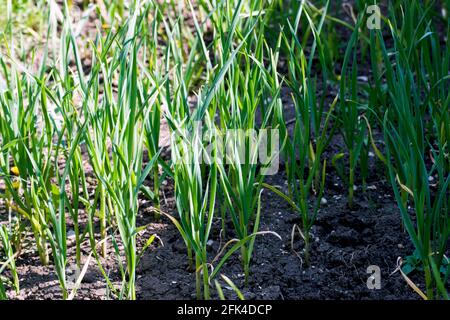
{"x": 416, "y": 130}
{"x": 242, "y": 80}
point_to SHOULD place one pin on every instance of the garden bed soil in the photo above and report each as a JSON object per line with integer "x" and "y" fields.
{"x": 346, "y": 242}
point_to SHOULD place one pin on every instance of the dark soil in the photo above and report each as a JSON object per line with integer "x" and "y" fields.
{"x": 346, "y": 242}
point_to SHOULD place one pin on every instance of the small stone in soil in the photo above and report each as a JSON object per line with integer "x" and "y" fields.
{"x": 70, "y": 234}
{"x": 272, "y": 293}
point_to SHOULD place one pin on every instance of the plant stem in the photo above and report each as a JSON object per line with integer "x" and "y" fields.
{"x": 41, "y": 244}
{"x": 351, "y": 182}
{"x": 78, "y": 244}
{"x": 307, "y": 248}
{"x": 206, "y": 279}
{"x": 198, "y": 282}
{"x": 246, "y": 263}
{"x": 428, "y": 281}
{"x": 156, "y": 191}
{"x": 103, "y": 221}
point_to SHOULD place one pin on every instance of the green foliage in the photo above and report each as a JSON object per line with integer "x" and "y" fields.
{"x": 82, "y": 119}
